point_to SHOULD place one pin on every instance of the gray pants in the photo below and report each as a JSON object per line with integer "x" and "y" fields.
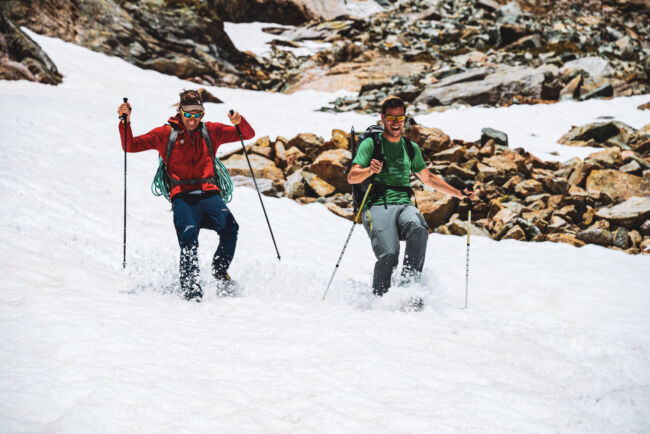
{"x": 387, "y": 226}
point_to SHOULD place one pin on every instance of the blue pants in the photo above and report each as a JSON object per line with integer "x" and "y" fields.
{"x": 191, "y": 213}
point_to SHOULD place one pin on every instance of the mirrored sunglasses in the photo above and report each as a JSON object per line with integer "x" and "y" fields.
{"x": 192, "y": 115}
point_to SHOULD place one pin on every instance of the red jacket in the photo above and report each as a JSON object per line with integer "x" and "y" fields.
{"x": 190, "y": 158}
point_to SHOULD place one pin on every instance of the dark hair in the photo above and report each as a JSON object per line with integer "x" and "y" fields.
{"x": 190, "y": 97}
{"x": 392, "y": 102}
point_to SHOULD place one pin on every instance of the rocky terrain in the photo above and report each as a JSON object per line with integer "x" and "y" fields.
{"x": 602, "y": 200}
{"x": 474, "y": 52}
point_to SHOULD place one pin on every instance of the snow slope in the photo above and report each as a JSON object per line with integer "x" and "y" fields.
{"x": 556, "y": 339}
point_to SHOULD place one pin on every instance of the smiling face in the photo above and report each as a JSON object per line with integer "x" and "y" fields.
{"x": 192, "y": 121}
{"x": 393, "y": 126}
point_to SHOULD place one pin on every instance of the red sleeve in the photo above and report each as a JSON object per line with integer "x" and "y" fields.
{"x": 221, "y": 133}
{"x": 154, "y": 139}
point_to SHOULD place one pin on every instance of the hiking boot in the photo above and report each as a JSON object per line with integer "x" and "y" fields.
{"x": 226, "y": 287}
{"x": 193, "y": 295}
{"x": 222, "y": 277}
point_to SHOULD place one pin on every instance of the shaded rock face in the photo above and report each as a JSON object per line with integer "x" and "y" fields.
{"x": 21, "y": 58}
{"x": 496, "y": 87}
{"x": 291, "y": 12}
{"x": 183, "y": 38}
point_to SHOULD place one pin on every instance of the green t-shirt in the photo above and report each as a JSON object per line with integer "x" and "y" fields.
{"x": 397, "y": 170}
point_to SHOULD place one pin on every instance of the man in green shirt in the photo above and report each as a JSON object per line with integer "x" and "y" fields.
{"x": 390, "y": 217}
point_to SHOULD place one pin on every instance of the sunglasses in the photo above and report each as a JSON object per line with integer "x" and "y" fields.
{"x": 391, "y": 118}
{"x": 191, "y": 115}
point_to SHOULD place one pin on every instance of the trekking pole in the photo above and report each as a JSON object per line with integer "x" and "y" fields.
{"x": 469, "y": 219}
{"x": 232, "y": 112}
{"x": 123, "y": 117}
{"x": 349, "y": 236}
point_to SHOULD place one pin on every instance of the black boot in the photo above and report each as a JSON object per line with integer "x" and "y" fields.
{"x": 189, "y": 270}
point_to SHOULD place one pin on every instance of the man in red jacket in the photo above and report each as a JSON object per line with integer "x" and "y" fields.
{"x": 195, "y": 197}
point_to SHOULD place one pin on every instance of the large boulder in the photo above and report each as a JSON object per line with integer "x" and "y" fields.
{"x": 332, "y": 167}
{"x": 630, "y": 213}
{"x": 21, "y": 58}
{"x": 603, "y": 134}
{"x": 430, "y": 140}
{"x": 436, "y": 208}
{"x": 182, "y": 38}
{"x": 618, "y": 185}
{"x": 497, "y": 87}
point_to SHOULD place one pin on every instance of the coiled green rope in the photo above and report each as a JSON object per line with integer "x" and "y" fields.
{"x": 160, "y": 184}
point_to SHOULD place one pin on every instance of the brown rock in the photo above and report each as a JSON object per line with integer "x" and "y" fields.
{"x": 630, "y": 213}
{"x": 508, "y": 162}
{"x": 305, "y": 142}
{"x": 340, "y": 138}
{"x": 617, "y": 185}
{"x": 515, "y": 233}
{"x": 635, "y": 238}
{"x": 487, "y": 173}
{"x": 430, "y": 140}
{"x": 294, "y": 155}
{"x": 206, "y": 96}
{"x": 264, "y": 151}
{"x": 346, "y": 213}
{"x": 318, "y": 185}
{"x": 565, "y": 238}
{"x": 262, "y": 167}
{"x": 609, "y": 158}
{"x": 280, "y": 154}
{"x": 598, "y": 236}
{"x": 460, "y": 172}
{"x": 331, "y": 166}
{"x": 436, "y": 208}
{"x": 488, "y": 149}
{"x": 528, "y": 187}
{"x": 454, "y": 154}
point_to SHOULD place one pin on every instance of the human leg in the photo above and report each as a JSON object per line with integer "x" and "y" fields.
{"x": 187, "y": 217}
{"x": 219, "y": 218}
{"x": 380, "y": 224}
{"x": 414, "y": 230}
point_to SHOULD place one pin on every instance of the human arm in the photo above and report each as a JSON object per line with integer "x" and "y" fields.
{"x": 358, "y": 173}
{"x": 221, "y": 133}
{"x": 438, "y": 184}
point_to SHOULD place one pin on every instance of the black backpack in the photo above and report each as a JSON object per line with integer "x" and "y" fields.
{"x": 378, "y": 188}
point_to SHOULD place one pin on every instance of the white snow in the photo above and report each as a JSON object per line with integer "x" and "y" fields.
{"x": 556, "y": 338}
{"x": 250, "y": 37}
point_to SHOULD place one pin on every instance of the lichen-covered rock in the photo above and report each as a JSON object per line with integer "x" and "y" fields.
{"x": 618, "y": 185}
{"x": 630, "y": 213}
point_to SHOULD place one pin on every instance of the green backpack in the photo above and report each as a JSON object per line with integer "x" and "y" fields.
{"x": 162, "y": 183}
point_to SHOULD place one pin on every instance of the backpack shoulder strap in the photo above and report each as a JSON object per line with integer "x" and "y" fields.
{"x": 377, "y": 154}
{"x": 410, "y": 150}
{"x": 170, "y": 143}
{"x": 206, "y": 136}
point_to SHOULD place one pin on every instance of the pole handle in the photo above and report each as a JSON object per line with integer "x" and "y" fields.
{"x": 123, "y": 117}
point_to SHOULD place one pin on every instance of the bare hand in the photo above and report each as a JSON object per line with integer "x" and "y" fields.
{"x": 235, "y": 118}
{"x": 125, "y": 109}
{"x": 375, "y": 166}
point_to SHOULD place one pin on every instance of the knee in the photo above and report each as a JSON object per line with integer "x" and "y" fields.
{"x": 389, "y": 256}
{"x": 188, "y": 236}
{"x": 416, "y": 230}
